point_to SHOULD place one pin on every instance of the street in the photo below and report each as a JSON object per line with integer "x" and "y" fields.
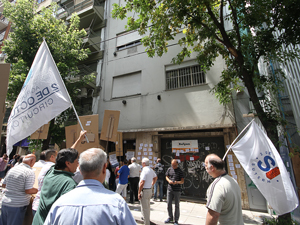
{"x": 190, "y": 213}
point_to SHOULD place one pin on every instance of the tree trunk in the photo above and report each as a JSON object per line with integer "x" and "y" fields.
{"x": 269, "y": 123}
{"x": 271, "y": 128}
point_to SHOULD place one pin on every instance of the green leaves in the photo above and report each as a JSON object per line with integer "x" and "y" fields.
{"x": 29, "y": 29}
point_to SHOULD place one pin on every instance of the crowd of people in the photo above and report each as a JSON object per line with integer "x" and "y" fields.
{"x": 86, "y": 189}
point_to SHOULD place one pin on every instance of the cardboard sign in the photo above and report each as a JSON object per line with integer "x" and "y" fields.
{"x": 90, "y": 123}
{"x": 110, "y": 124}
{"x": 4, "y": 75}
{"x": 37, "y": 171}
{"x": 71, "y": 135}
{"x": 41, "y": 133}
{"x": 119, "y": 144}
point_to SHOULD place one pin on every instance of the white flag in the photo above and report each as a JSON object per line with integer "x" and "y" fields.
{"x": 43, "y": 97}
{"x": 263, "y": 164}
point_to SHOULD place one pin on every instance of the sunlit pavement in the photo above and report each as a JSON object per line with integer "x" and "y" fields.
{"x": 190, "y": 213}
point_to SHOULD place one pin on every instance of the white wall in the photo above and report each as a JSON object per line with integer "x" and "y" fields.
{"x": 186, "y": 107}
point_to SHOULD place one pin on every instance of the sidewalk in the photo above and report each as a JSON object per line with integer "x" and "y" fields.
{"x": 190, "y": 213}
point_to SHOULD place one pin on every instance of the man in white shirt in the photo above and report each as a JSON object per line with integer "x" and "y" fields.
{"x": 134, "y": 174}
{"x": 147, "y": 180}
{"x": 50, "y": 157}
{"x": 42, "y": 161}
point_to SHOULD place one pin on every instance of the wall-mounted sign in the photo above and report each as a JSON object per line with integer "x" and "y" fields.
{"x": 185, "y": 146}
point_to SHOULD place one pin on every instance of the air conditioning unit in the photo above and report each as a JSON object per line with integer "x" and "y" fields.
{"x": 1, "y": 56}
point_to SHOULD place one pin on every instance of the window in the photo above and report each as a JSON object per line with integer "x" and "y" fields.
{"x": 128, "y": 39}
{"x": 185, "y": 77}
{"x": 129, "y": 45}
{"x": 127, "y": 85}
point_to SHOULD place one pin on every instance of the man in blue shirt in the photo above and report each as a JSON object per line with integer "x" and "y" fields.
{"x": 123, "y": 179}
{"x": 90, "y": 202}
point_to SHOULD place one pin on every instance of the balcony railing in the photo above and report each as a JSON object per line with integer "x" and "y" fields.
{"x": 80, "y": 6}
{"x": 93, "y": 40}
{"x": 77, "y": 6}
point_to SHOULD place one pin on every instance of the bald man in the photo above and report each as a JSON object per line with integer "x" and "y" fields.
{"x": 174, "y": 177}
{"x": 223, "y": 195}
{"x": 19, "y": 188}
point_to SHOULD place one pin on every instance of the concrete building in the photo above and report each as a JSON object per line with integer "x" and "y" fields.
{"x": 162, "y": 104}
{"x": 91, "y": 13}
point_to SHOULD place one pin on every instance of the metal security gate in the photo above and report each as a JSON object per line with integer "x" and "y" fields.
{"x": 196, "y": 179}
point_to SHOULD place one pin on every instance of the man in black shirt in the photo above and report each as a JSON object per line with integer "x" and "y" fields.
{"x": 174, "y": 177}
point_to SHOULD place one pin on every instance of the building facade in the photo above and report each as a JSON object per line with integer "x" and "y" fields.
{"x": 161, "y": 104}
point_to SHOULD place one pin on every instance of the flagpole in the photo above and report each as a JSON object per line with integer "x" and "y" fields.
{"x": 67, "y": 92}
{"x": 237, "y": 138}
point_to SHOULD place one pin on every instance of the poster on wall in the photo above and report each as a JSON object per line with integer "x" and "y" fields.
{"x": 130, "y": 154}
{"x": 185, "y": 146}
{"x": 113, "y": 159}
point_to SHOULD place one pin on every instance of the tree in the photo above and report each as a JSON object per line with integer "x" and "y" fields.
{"x": 202, "y": 29}
{"x": 64, "y": 41}
{"x": 242, "y": 32}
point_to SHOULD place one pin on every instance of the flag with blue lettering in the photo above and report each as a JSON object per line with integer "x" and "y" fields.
{"x": 262, "y": 162}
{"x": 42, "y": 98}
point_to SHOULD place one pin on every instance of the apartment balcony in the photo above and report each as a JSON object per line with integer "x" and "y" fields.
{"x": 89, "y": 11}
{"x": 92, "y": 40}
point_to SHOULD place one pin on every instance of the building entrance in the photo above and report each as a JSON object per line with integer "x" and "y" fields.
{"x": 196, "y": 179}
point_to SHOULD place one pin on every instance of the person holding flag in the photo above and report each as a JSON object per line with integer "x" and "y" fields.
{"x": 223, "y": 195}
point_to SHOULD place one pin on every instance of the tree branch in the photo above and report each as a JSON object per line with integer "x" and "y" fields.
{"x": 198, "y": 21}
{"x": 221, "y": 13}
{"x": 221, "y": 28}
{"x": 237, "y": 30}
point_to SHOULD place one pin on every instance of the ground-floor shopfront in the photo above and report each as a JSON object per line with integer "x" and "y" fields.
{"x": 157, "y": 143}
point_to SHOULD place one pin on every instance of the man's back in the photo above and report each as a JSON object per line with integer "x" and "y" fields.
{"x": 134, "y": 169}
{"x": 147, "y": 175}
{"x": 90, "y": 203}
{"x": 56, "y": 183}
{"x": 224, "y": 196}
{"x": 17, "y": 181}
{"x": 124, "y": 173}
{"x": 159, "y": 170}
